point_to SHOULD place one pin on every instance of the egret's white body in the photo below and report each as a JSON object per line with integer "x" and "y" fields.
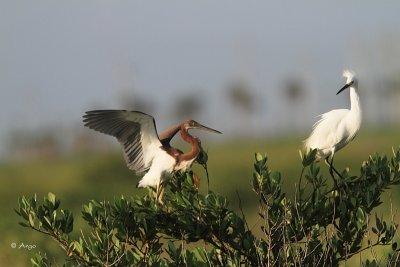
{"x": 338, "y": 127}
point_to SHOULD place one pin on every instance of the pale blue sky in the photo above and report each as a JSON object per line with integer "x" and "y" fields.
{"x": 60, "y": 58}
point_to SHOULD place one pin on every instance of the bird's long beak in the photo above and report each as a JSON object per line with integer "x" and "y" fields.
{"x": 205, "y": 128}
{"x": 345, "y": 87}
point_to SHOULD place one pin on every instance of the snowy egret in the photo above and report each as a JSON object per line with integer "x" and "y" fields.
{"x": 144, "y": 152}
{"x": 338, "y": 127}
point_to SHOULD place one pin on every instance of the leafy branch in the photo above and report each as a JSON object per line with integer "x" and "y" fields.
{"x": 320, "y": 225}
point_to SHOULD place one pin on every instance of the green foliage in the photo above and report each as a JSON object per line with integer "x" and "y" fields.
{"x": 322, "y": 224}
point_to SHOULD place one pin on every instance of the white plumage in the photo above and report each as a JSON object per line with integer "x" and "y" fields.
{"x": 160, "y": 170}
{"x": 338, "y": 127}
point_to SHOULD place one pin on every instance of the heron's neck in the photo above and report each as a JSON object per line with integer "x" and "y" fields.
{"x": 354, "y": 99}
{"x": 169, "y": 133}
{"x": 186, "y": 136}
{"x": 194, "y": 152}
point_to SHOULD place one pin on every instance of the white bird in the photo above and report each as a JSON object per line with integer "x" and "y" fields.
{"x": 144, "y": 152}
{"x": 338, "y": 127}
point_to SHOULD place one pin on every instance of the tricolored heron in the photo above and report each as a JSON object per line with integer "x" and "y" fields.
{"x": 144, "y": 151}
{"x": 338, "y": 127}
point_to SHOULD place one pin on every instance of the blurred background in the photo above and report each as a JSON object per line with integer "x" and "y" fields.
{"x": 259, "y": 72}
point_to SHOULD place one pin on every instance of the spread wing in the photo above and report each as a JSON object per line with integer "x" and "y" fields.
{"x": 134, "y": 130}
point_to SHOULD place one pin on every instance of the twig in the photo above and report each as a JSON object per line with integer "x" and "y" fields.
{"x": 241, "y": 210}
{"x": 208, "y": 178}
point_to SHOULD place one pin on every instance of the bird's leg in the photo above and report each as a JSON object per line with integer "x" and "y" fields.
{"x": 156, "y": 193}
{"x": 331, "y": 171}
{"x": 333, "y": 168}
{"x": 159, "y": 192}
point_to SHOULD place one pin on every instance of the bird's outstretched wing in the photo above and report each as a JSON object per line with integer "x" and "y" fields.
{"x": 135, "y": 131}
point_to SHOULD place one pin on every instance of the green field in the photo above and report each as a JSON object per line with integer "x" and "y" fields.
{"x": 77, "y": 178}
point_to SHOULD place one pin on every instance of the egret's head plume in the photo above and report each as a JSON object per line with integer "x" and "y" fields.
{"x": 350, "y": 76}
{"x": 350, "y": 82}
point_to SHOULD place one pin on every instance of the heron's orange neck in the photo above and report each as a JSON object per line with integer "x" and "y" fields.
{"x": 193, "y": 142}
{"x": 167, "y": 135}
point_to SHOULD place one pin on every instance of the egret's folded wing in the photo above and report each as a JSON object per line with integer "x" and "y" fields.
{"x": 136, "y": 132}
{"x": 324, "y": 134}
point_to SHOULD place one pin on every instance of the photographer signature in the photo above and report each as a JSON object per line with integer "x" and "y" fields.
{"x": 23, "y": 246}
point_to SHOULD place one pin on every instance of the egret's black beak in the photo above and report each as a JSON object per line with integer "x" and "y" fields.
{"x": 205, "y": 128}
{"x": 345, "y": 87}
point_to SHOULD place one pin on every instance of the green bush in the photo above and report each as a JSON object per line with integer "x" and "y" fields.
{"x": 322, "y": 224}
